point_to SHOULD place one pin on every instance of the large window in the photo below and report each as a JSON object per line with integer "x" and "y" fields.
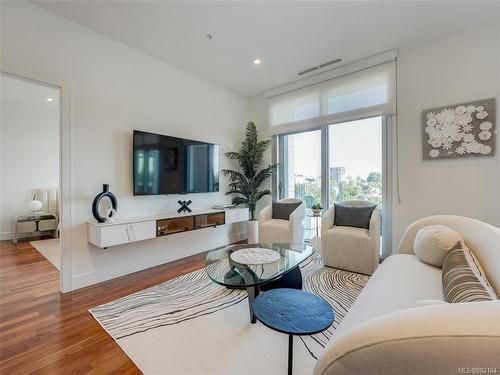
{"x": 303, "y": 166}
{"x": 302, "y": 172}
{"x": 355, "y": 160}
{"x": 332, "y": 131}
{"x": 337, "y": 162}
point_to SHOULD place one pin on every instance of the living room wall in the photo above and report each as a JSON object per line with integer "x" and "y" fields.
{"x": 452, "y": 70}
{"x": 115, "y": 89}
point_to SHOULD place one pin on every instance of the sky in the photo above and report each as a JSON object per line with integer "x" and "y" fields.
{"x": 355, "y": 145}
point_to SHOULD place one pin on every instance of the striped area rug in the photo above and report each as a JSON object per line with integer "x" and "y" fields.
{"x": 190, "y": 325}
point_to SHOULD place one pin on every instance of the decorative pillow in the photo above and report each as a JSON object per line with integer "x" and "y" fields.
{"x": 463, "y": 278}
{"x": 284, "y": 210}
{"x": 348, "y": 216}
{"x": 434, "y": 242}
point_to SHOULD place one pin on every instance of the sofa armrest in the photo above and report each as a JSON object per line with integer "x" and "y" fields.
{"x": 437, "y": 339}
{"x": 327, "y": 221}
{"x": 265, "y": 214}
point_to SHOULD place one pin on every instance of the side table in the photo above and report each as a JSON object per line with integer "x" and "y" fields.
{"x": 34, "y": 223}
{"x": 293, "y": 312}
{"x": 316, "y": 218}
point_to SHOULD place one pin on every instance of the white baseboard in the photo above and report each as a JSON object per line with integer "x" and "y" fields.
{"x": 5, "y": 236}
{"x": 81, "y": 281}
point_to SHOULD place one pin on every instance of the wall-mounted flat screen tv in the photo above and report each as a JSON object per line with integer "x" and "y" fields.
{"x": 170, "y": 165}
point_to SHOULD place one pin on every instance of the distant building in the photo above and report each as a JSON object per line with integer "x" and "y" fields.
{"x": 337, "y": 174}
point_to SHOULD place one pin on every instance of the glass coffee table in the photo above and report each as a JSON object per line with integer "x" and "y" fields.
{"x": 279, "y": 260}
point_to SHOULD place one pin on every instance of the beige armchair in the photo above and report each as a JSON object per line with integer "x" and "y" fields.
{"x": 350, "y": 248}
{"x": 282, "y": 231}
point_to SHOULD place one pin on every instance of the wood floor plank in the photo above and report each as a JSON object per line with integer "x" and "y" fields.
{"x": 45, "y": 332}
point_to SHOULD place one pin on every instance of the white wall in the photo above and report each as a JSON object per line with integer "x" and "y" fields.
{"x": 449, "y": 71}
{"x": 115, "y": 89}
{"x": 456, "y": 69}
{"x": 29, "y": 146}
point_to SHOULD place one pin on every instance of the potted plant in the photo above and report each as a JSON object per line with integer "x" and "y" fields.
{"x": 245, "y": 182}
{"x": 316, "y": 209}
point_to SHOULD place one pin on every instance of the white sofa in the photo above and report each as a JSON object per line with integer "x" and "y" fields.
{"x": 384, "y": 333}
{"x": 282, "y": 231}
{"x": 349, "y": 248}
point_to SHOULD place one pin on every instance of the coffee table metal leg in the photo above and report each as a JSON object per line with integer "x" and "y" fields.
{"x": 290, "y": 354}
{"x": 253, "y": 292}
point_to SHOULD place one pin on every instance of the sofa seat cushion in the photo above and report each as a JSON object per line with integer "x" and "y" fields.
{"x": 398, "y": 283}
{"x": 275, "y": 231}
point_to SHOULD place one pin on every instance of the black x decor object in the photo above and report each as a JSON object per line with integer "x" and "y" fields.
{"x": 184, "y": 206}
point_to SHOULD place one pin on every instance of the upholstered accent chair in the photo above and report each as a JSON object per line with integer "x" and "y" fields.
{"x": 350, "y": 248}
{"x": 279, "y": 230}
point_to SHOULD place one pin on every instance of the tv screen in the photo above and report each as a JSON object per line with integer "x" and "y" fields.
{"x": 170, "y": 165}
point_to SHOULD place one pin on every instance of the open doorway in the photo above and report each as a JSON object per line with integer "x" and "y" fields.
{"x": 30, "y": 208}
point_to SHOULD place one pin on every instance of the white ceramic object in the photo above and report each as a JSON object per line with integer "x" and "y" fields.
{"x": 35, "y": 205}
{"x": 255, "y": 256}
{"x": 110, "y": 215}
{"x": 253, "y": 231}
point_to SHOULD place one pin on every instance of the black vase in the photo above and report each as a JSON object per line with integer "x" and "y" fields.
{"x": 97, "y": 200}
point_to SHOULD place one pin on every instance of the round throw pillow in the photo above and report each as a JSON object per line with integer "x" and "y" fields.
{"x": 433, "y": 243}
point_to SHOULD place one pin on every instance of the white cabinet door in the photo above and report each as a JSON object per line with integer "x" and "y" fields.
{"x": 231, "y": 216}
{"x": 114, "y": 235}
{"x": 141, "y": 231}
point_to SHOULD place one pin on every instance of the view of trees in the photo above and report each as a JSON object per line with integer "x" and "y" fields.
{"x": 369, "y": 188}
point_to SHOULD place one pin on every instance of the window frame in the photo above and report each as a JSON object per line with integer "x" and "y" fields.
{"x": 279, "y": 185}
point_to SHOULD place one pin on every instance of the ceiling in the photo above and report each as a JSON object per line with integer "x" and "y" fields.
{"x": 287, "y": 36}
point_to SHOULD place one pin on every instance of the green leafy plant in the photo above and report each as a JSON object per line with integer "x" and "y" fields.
{"x": 316, "y": 206}
{"x": 246, "y": 182}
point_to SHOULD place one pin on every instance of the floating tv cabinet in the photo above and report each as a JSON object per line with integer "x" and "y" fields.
{"x": 128, "y": 230}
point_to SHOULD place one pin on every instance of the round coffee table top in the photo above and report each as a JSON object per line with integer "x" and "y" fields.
{"x": 294, "y": 312}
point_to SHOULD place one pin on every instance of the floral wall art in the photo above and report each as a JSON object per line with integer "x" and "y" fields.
{"x": 459, "y": 131}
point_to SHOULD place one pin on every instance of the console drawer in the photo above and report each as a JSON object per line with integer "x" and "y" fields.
{"x": 50, "y": 224}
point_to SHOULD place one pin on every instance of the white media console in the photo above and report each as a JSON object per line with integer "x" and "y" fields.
{"x": 128, "y": 230}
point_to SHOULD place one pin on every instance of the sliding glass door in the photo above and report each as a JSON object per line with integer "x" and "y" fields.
{"x": 334, "y": 163}
{"x": 302, "y": 171}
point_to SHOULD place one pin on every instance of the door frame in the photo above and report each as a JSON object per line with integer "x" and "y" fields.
{"x": 65, "y": 274}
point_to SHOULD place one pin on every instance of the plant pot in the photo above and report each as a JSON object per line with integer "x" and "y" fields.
{"x": 253, "y": 231}
{"x": 316, "y": 211}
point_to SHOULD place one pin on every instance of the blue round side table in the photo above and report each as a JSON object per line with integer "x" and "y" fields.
{"x": 293, "y": 312}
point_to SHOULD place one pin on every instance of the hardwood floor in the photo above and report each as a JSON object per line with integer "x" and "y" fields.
{"x": 45, "y": 332}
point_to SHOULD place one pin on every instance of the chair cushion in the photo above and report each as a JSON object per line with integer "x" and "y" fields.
{"x": 283, "y": 210}
{"x": 463, "y": 279}
{"x": 359, "y": 233}
{"x": 275, "y": 231}
{"x": 432, "y": 243}
{"x": 350, "y": 216}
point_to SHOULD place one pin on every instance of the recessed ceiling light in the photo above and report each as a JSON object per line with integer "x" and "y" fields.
{"x": 49, "y": 99}
{"x": 257, "y": 61}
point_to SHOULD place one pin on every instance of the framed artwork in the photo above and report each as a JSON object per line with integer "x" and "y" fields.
{"x": 459, "y": 131}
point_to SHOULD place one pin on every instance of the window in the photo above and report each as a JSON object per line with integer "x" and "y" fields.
{"x": 355, "y": 160}
{"x": 331, "y": 133}
{"x": 336, "y": 162}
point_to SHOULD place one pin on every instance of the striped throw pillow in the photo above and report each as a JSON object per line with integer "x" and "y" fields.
{"x": 463, "y": 279}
